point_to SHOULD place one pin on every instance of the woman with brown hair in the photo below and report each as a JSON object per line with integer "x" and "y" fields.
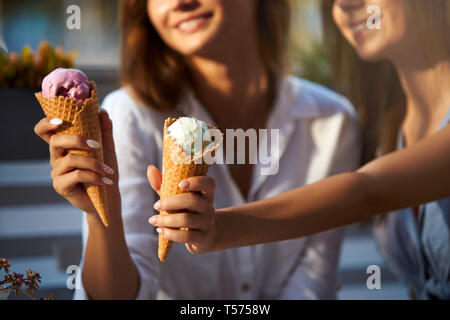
{"x": 415, "y": 241}
{"x": 222, "y": 61}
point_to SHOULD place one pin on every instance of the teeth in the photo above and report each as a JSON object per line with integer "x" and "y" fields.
{"x": 359, "y": 27}
{"x": 190, "y": 23}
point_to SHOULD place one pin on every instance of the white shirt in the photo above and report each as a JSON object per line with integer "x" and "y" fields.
{"x": 319, "y": 136}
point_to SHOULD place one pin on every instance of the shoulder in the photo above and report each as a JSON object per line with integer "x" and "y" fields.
{"x": 137, "y": 129}
{"x": 315, "y": 100}
{"x": 128, "y": 114}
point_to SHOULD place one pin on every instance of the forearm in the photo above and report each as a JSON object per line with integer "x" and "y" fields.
{"x": 406, "y": 178}
{"x": 108, "y": 270}
{"x": 330, "y": 203}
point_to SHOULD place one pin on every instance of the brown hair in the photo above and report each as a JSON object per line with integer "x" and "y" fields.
{"x": 158, "y": 75}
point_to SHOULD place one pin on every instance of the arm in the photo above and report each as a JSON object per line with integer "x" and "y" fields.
{"x": 409, "y": 177}
{"x": 106, "y": 253}
{"x": 106, "y": 256}
{"x": 132, "y": 242}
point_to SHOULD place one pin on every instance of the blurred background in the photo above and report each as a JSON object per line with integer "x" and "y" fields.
{"x": 38, "y": 229}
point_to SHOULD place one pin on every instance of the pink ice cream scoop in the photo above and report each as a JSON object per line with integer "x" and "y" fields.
{"x": 71, "y": 83}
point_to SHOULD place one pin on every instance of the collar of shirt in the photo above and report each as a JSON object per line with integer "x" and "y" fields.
{"x": 291, "y": 104}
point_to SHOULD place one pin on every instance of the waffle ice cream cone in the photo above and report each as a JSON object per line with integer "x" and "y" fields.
{"x": 175, "y": 170}
{"x": 81, "y": 119}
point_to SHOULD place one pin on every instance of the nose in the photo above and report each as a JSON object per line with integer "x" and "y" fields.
{"x": 186, "y": 5}
{"x": 349, "y": 4}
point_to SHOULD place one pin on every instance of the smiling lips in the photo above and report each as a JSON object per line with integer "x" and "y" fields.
{"x": 359, "y": 28}
{"x": 193, "y": 23}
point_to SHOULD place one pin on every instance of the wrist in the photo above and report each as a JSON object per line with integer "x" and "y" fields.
{"x": 114, "y": 214}
{"x": 218, "y": 241}
{"x": 93, "y": 220}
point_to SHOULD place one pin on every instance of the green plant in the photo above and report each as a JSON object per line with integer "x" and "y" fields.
{"x": 15, "y": 281}
{"x": 27, "y": 69}
{"x": 311, "y": 63}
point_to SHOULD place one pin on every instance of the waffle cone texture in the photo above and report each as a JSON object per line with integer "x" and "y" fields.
{"x": 81, "y": 119}
{"x": 176, "y": 168}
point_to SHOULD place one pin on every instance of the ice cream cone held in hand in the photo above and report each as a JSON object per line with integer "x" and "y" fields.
{"x": 68, "y": 95}
{"x": 188, "y": 151}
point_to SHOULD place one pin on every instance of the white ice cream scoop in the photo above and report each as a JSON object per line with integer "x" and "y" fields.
{"x": 191, "y": 135}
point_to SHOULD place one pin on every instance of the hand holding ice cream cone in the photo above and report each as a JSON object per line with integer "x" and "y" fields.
{"x": 188, "y": 151}
{"x": 75, "y": 132}
{"x": 192, "y": 220}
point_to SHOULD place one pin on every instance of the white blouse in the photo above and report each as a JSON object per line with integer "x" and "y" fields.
{"x": 319, "y": 137}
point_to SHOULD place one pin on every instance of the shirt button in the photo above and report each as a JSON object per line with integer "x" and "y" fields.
{"x": 245, "y": 287}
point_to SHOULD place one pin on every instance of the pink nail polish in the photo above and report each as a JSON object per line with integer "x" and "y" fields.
{"x": 107, "y": 181}
{"x": 93, "y": 144}
{"x": 107, "y": 169}
{"x": 160, "y": 231}
{"x": 153, "y": 220}
{"x": 157, "y": 205}
{"x": 184, "y": 184}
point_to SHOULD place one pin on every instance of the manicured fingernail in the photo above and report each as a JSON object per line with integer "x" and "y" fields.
{"x": 107, "y": 181}
{"x": 157, "y": 205}
{"x": 160, "y": 231}
{"x": 93, "y": 144}
{"x": 107, "y": 169}
{"x": 56, "y": 122}
{"x": 153, "y": 220}
{"x": 184, "y": 184}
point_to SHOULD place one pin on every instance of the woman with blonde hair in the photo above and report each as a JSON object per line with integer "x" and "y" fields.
{"x": 415, "y": 241}
{"x": 221, "y": 61}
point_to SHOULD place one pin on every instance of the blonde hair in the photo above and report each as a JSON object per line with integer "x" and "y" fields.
{"x": 431, "y": 16}
{"x": 374, "y": 87}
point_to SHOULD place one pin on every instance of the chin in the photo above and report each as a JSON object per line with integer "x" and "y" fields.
{"x": 371, "y": 51}
{"x": 369, "y": 55}
{"x": 194, "y": 44}
{"x": 191, "y": 48}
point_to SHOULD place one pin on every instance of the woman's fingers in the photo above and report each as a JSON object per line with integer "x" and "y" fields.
{"x": 187, "y": 201}
{"x": 46, "y": 128}
{"x": 65, "y": 184}
{"x": 59, "y": 144}
{"x": 73, "y": 161}
{"x": 71, "y": 170}
{"x": 196, "y": 226}
{"x": 155, "y": 178}
{"x": 188, "y": 220}
{"x": 183, "y": 236}
{"x": 68, "y": 141}
{"x": 205, "y": 185}
{"x": 109, "y": 152}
